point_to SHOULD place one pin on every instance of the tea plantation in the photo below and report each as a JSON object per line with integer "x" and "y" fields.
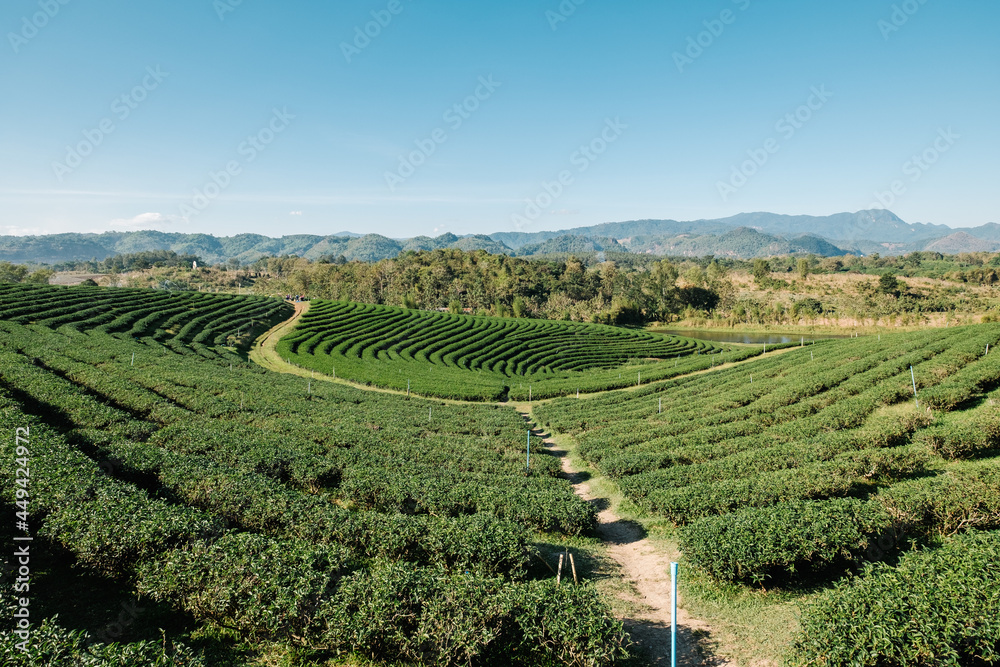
{"x": 487, "y": 358}
{"x": 816, "y": 464}
{"x": 189, "y": 508}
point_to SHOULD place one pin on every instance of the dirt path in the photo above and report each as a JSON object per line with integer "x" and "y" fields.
{"x": 647, "y": 569}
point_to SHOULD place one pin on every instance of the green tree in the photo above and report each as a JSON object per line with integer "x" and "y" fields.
{"x": 40, "y": 277}
{"x": 12, "y": 273}
{"x": 761, "y": 272}
{"x": 695, "y": 276}
{"x": 889, "y": 284}
{"x": 803, "y": 268}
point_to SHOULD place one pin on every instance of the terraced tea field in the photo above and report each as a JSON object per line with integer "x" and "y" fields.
{"x": 483, "y": 358}
{"x": 248, "y": 512}
{"x": 796, "y": 469}
{"x": 251, "y": 514}
{"x": 185, "y": 322}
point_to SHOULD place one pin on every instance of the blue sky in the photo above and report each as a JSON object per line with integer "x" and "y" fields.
{"x": 228, "y": 116}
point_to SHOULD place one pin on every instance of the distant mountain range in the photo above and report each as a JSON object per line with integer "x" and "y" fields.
{"x": 742, "y": 236}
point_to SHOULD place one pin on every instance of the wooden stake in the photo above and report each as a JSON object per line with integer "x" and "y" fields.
{"x": 559, "y": 573}
{"x": 544, "y": 561}
{"x": 572, "y": 564}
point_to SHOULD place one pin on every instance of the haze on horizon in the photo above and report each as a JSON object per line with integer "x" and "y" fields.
{"x": 405, "y": 119}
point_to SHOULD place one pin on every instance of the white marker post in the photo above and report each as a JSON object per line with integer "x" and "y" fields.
{"x": 914, "y": 378}
{"x": 673, "y": 615}
{"x": 528, "y": 466}
{"x": 133, "y": 355}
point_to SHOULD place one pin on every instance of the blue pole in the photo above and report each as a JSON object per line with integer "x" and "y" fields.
{"x": 673, "y": 615}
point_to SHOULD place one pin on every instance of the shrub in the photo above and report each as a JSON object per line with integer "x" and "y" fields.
{"x": 786, "y": 541}
{"x": 937, "y": 608}
{"x": 960, "y": 499}
{"x": 55, "y": 645}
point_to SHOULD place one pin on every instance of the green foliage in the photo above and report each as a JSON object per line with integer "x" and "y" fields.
{"x": 888, "y": 284}
{"x": 938, "y": 607}
{"x": 963, "y": 498}
{"x": 784, "y": 542}
{"x": 52, "y": 645}
{"x": 460, "y": 356}
{"x": 12, "y": 273}
{"x": 245, "y": 502}
{"x": 420, "y": 616}
{"x": 263, "y": 588}
{"x": 761, "y": 272}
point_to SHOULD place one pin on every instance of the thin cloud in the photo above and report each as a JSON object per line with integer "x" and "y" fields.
{"x": 14, "y": 230}
{"x": 143, "y": 221}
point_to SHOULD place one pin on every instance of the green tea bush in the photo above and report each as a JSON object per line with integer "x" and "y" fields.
{"x": 261, "y": 587}
{"x": 962, "y": 498}
{"x": 937, "y": 608}
{"x": 786, "y": 542}
{"x": 965, "y": 438}
{"x": 52, "y": 645}
{"x": 427, "y": 617}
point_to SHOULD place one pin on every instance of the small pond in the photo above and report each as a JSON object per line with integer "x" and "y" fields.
{"x": 745, "y": 338}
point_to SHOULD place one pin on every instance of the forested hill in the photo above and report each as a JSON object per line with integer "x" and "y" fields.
{"x": 60, "y": 248}
{"x": 744, "y": 236}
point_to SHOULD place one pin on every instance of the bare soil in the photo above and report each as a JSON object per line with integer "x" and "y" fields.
{"x": 647, "y": 569}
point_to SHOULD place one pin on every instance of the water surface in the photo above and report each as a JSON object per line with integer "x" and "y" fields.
{"x": 745, "y": 338}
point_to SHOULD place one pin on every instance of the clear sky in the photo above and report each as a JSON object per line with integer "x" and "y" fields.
{"x": 231, "y": 116}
